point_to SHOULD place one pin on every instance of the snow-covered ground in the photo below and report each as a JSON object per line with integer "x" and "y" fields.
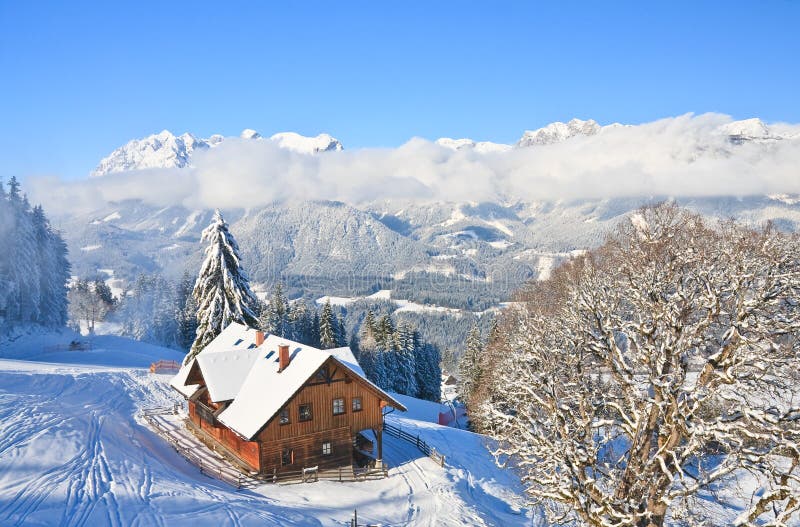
{"x": 402, "y": 305}
{"x": 74, "y": 451}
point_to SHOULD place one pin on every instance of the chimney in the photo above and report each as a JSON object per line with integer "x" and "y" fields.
{"x": 259, "y": 338}
{"x": 283, "y": 356}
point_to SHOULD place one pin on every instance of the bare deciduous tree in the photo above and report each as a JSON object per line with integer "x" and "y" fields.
{"x": 88, "y": 302}
{"x": 658, "y": 367}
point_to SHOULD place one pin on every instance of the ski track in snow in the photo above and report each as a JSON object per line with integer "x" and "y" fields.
{"x": 74, "y": 453}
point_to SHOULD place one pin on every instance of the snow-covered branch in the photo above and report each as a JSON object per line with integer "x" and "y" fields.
{"x": 658, "y": 366}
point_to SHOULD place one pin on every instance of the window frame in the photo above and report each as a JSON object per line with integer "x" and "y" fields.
{"x": 360, "y": 404}
{"x": 284, "y": 452}
{"x": 342, "y": 407}
{"x": 329, "y": 446}
{"x": 300, "y": 413}
{"x": 285, "y": 416}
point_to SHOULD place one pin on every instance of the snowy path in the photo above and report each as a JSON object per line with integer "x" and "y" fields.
{"x": 73, "y": 453}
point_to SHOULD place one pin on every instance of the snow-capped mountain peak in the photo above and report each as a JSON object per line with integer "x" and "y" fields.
{"x": 162, "y": 150}
{"x": 558, "y": 131}
{"x": 307, "y": 145}
{"x": 166, "y": 150}
{"x": 249, "y": 133}
{"x": 482, "y": 147}
{"x": 749, "y": 128}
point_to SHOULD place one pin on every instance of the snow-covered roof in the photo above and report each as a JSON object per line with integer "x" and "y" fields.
{"x": 265, "y": 390}
{"x": 179, "y": 381}
{"x": 225, "y": 371}
{"x": 346, "y": 357}
{"x": 234, "y": 337}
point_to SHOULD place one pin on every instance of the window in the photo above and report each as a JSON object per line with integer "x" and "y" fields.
{"x": 356, "y": 404}
{"x": 322, "y": 374}
{"x": 338, "y": 406}
{"x": 287, "y": 456}
{"x": 305, "y": 412}
{"x": 285, "y": 416}
{"x": 326, "y": 449}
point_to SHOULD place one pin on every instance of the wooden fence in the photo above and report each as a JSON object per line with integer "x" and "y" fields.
{"x": 415, "y": 440}
{"x": 311, "y": 474}
{"x": 164, "y": 365}
{"x": 228, "y": 475}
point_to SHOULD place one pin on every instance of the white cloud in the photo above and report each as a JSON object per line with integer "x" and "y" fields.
{"x": 680, "y": 156}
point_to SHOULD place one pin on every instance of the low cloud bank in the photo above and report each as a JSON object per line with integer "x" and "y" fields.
{"x": 681, "y": 157}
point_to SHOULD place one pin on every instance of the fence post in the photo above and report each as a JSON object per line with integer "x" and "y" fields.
{"x": 340, "y": 474}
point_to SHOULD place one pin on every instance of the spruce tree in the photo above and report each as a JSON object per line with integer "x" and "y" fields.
{"x": 428, "y": 371}
{"x": 275, "y": 316}
{"x": 341, "y": 332}
{"x": 470, "y": 369}
{"x": 368, "y": 354}
{"x": 404, "y": 381}
{"x": 315, "y": 330}
{"x": 186, "y": 312}
{"x": 328, "y": 328}
{"x": 301, "y": 323}
{"x": 54, "y": 268}
{"x": 33, "y": 265}
{"x": 222, "y": 290}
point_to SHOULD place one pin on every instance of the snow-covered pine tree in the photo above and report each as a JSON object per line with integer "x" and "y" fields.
{"x": 222, "y": 290}
{"x": 54, "y": 268}
{"x": 7, "y": 285}
{"x": 341, "y": 331}
{"x": 367, "y": 331}
{"x": 368, "y": 354}
{"x": 428, "y": 370}
{"x": 384, "y": 332}
{"x": 315, "y": 330}
{"x": 470, "y": 369}
{"x": 298, "y": 322}
{"x": 186, "y": 312}
{"x": 33, "y": 267}
{"x": 275, "y": 316}
{"x": 328, "y": 328}
{"x": 23, "y": 265}
{"x": 165, "y": 325}
{"x": 405, "y": 380}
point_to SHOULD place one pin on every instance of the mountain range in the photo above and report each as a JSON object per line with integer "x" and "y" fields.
{"x": 467, "y": 254}
{"x": 166, "y": 150}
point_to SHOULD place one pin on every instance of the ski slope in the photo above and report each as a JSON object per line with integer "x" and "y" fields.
{"x": 74, "y": 452}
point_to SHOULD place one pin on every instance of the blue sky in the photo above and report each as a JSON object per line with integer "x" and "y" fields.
{"x": 81, "y": 78}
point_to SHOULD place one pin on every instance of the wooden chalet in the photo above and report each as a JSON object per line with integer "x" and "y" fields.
{"x": 279, "y": 406}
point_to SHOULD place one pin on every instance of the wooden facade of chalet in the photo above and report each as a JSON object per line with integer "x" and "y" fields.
{"x": 316, "y": 426}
